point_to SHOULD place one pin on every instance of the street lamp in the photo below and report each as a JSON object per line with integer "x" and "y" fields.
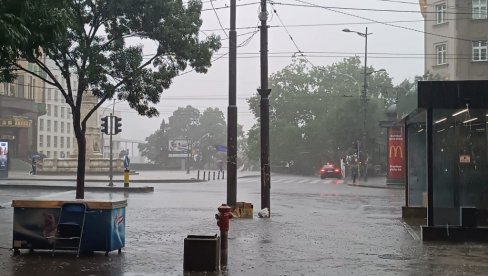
{"x": 363, "y": 97}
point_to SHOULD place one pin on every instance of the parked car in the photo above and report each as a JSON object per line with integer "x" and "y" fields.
{"x": 330, "y": 170}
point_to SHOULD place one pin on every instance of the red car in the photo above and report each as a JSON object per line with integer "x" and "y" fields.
{"x": 330, "y": 170}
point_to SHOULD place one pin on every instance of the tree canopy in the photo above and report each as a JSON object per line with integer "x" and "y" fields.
{"x": 204, "y": 130}
{"x": 315, "y": 112}
{"x": 100, "y": 50}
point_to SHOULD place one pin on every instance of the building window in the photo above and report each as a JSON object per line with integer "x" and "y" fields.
{"x": 29, "y": 88}
{"x": 48, "y": 140}
{"x": 61, "y": 142}
{"x": 48, "y": 154}
{"x": 41, "y": 124}
{"x": 41, "y": 140}
{"x": 55, "y": 142}
{"x": 62, "y": 112}
{"x": 68, "y": 127}
{"x": 20, "y": 86}
{"x": 48, "y": 125}
{"x": 56, "y": 154}
{"x": 440, "y": 13}
{"x": 479, "y": 9}
{"x": 441, "y": 52}
{"x": 62, "y": 127}
{"x": 68, "y": 145}
{"x": 49, "y": 95}
{"x": 55, "y": 111}
{"x": 48, "y": 107}
{"x": 479, "y": 50}
{"x": 55, "y": 126}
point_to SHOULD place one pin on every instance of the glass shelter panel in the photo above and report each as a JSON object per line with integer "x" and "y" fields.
{"x": 460, "y": 167}
{"x": 417, "y": 165}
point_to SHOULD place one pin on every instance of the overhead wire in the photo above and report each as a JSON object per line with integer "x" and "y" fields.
{"x": 376, "y": 21}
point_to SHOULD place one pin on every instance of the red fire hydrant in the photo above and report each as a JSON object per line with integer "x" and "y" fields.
{"x": 223, "y": 218}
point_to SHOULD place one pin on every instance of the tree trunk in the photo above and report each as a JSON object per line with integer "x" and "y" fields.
{"x": 80, "y": 173}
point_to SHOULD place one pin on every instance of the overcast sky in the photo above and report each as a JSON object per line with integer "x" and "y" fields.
{"x": 315, "y": 29}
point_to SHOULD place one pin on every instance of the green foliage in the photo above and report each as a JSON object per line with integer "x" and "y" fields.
{"x": 26, "y": 25}
{"x": 315, "y": 112}
{"x": 91, "y": 46}
{"x": 204, "y": 130}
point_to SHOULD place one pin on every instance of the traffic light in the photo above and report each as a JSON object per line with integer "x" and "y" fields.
{"x": 105, "y": 125}
{"x": 117, "y": 124}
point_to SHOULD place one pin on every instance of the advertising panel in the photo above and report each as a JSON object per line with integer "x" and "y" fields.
{"x": 178, "y": 148}
{"x": 3, "y": 156}
{"x": 396, "y": 153}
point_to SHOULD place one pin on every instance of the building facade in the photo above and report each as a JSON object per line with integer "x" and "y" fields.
{"x": 55, "y": 129}
{"x": 21, "y": 103}
{"x": 456, "y": 35}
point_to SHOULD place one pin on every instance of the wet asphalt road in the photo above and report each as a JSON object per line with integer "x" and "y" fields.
{"x": 318, "y": 227}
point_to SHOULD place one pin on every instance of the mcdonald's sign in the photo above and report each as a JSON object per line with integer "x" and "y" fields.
{"x": 396, "y": 157}
{"x": 395, "y": 151}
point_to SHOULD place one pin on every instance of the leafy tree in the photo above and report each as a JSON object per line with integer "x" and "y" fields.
{"x": 93, "y": 48}
{"x": 205, "y": 130}
{"x": 315, "y": 112}
{"x": 156, "y": 146}
{"x": 27, "y": 25}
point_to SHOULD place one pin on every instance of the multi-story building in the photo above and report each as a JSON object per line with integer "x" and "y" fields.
{"x": 21, "y": 102}
{"x": 56, "y": 137}
{"x": 456, "y": 35}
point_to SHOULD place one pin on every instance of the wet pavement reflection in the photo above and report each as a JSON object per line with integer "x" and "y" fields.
{"x": 316, "y": 228}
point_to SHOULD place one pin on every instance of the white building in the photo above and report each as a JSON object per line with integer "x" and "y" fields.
{"x": 55, "y": 129}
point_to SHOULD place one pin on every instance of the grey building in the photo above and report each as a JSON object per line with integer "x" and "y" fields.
{"x": 456, "y": 35}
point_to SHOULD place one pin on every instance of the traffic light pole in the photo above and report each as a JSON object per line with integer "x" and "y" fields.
{"x": 111, "y": 173}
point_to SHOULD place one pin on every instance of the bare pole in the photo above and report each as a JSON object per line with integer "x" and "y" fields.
{"x": 364, "y": 101}
{"x": 232, "y": 112}
{"x": 264, "y": 111}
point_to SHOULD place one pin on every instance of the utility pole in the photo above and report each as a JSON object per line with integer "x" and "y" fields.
{"x": 111, "y": 172}
{"x": 232, "y": 112}
{"x": 112, "y": 124}
{"x": 364, "y": 101}
{"x": 264, "y": 110}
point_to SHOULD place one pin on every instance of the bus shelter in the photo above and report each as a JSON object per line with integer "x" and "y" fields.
{"x": 447, "y": 158}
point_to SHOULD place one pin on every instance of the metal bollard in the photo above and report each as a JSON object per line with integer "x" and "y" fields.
{"x": 126, "y": 178}
{"x": 222, "y": 174}
{"x": 218, "y": 175}
{"x": 198, "y": 175}
{"x": 223, "y": 218}
{"x": 213, "y": 175}
{"x": 208, "y": 175}
{"x": 203, "y": 175}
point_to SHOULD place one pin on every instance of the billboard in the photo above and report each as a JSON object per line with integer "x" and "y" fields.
{"x": 3, "y": 156}
{"x": 179, "y": 148}
{"x": 396, "y": 153}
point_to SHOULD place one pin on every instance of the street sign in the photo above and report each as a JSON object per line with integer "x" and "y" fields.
{"x": 178, "y": 148}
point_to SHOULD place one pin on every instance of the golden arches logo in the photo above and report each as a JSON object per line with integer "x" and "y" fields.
{"x": 394, "y": 150}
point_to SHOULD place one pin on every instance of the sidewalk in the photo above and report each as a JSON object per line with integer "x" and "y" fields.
{"x": 373, "y": 182}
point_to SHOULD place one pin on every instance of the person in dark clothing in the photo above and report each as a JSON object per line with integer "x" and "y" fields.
{"x": 34, "y": 166}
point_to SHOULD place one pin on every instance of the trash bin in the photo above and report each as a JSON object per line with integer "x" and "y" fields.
{"x": 201, "y": 253}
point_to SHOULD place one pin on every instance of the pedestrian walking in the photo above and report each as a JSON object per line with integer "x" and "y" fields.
{"x": 34, "y": 165}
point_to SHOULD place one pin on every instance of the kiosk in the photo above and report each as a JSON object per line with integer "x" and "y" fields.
{"x": 447, "y": 158}
{"x": 35, "y": 220}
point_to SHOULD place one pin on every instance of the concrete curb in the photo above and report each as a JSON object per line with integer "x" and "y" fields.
{"x": 145, "y": 189}
{"x": 106, "y": 180}
{"x": 376, "y": 187}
